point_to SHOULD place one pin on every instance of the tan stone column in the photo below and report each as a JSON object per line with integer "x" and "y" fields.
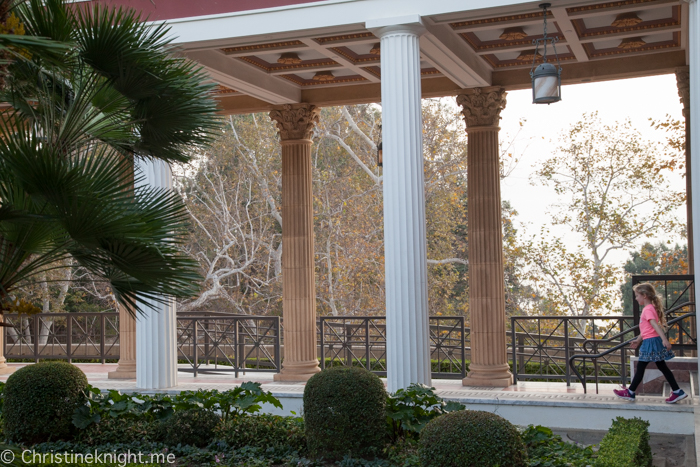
{"x": 4, "y": 369}
{"x": 295, "y": 124}
{"x": 683, "y": 81}
{"x": 481, "y": 108}
{"x": 126, "y": 368}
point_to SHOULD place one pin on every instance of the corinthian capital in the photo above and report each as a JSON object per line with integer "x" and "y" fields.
{"x": 295, "y": 121}
{"x": 482, "y": 106}
{"x": 683, "y": 82}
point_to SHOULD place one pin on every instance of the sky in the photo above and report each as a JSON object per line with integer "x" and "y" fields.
{"x": 637, "y": 99}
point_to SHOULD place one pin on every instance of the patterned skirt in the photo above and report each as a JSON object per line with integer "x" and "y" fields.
{"x": 653, "y": 350}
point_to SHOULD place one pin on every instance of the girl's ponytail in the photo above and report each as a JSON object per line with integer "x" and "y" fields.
{"x": 649, "y": 292}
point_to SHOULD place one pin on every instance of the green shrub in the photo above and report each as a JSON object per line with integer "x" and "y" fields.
{"x": 194, "y": 427}
{"x": 410, "y": 409}
{"x": 544, "y": 448}
{"x": 470, "y": 438}
{"x": 626, "y": 444}
{"x": 115, "y": 430}
{"x": 263, "y": 431}
{"x": 40, "y": 400}
{"x": 344, "y": 413}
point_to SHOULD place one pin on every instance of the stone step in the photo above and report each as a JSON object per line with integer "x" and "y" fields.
{"x": 694, "y": 383}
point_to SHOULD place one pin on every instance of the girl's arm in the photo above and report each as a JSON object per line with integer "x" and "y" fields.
{"x": 635, "y": 343}
{"x": 662, "y": 334}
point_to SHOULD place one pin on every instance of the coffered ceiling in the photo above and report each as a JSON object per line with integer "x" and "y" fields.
{"x": 462, "y": 49}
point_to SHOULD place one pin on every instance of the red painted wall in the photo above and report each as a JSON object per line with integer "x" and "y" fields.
{"x": 156, "y": 10}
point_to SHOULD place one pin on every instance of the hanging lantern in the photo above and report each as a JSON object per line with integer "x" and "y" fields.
{"x": 546, "y": 78}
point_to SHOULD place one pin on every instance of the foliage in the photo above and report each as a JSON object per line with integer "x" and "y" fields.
{"x": 344, "y": 413}
{"x": 244, "y": 399}
{"x": 626, "y": 444}
{"x": 37, "y": 393}
{"x": 652, "y": 259}
{"x": 264, "y": 431}
{"x": 192, "y": 426}
{"x": 470, "y": 438}
{"x": 119, "y": 430}
{"x": 616, "y": 193}
{"x": 545, "y": 449}
{"x": 409, "y": 410}
{"x": 76, "y": 120}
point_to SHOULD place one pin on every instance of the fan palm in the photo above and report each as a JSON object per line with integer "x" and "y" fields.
{"x": 87, "y": 91}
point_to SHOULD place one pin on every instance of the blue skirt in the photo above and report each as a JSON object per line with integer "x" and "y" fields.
{"x": 653, "y": 350}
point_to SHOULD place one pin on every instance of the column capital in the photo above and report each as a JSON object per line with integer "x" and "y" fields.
{"x": 683, "y": 82}
{"x": 295, "y": 121}
{"x": 411, "y": 24}
{"x": 482, "y": 107}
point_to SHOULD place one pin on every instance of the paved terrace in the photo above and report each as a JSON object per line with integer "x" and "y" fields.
{"x": 546, "y": 403}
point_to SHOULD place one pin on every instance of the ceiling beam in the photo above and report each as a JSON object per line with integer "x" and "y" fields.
{"x": 569, "y": 32}
{"x": 448, "y": 53}
{"x": 246, "y": 79}
{"x": 312, "y": 44}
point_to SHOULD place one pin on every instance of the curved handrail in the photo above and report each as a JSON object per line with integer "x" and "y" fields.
{"x": 621, "y": 345}
{"x": 616, "y": 336}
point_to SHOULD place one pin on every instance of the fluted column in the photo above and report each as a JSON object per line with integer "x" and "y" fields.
{"x": 683, "y": 81}
{"x": 694, "y": 123}
{"x": 295, "y": 124}
{"x": 405, "y": 251}
{"x": 156, "y": 326}
{"x": 4, "y": 369}
{"x": 126, "y": 368}
{"x": 489, "y": 361}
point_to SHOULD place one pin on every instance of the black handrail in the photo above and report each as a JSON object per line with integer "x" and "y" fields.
{"x": 583, "y": 357}
{"x": 616, "y": 336}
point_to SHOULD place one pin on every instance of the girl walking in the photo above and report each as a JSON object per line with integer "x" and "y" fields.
{"x": 655, "y": 345}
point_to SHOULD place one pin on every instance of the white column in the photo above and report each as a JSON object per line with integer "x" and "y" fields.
{"x": 406, "y": 268}
{"x": 694, "y": 62}
{"x": 156, "y": 329}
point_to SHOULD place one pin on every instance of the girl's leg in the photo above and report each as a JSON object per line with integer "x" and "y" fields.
{"x": 638, "y": 375}
{"x": 668, "y": 374}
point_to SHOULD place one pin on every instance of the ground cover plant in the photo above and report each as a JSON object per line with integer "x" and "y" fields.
{"x": 227, "y": 428}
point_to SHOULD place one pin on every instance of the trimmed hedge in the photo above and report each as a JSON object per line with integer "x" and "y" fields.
{"x": 626, "y": 444}
{"x": 471, "y": 438}
{"x": 119, "y": 430}
{"x": 40, "y": 400}
{"x": 345, "y": 413}
{"x": 263, "y": 431}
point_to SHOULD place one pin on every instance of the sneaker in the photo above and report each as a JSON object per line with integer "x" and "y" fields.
{"x": 624, "y": 394}
{"x": 675, "y": 397}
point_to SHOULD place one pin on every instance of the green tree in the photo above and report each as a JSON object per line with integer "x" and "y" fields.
{"x": 73, "y": 128}
{"x": 615, "y": 192}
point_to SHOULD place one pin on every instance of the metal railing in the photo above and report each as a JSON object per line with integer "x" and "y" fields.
{"x": 619, "y": 343}
{"x": 238, "y": 343}
{"x": 62, "y": 336}
{"x": 361, "y": 341}
{"x": 542, "y": 345}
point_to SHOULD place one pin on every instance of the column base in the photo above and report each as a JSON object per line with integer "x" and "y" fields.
{"x": 125, "y": 370}
{"x": 6, "y": 370}
{"x": 297, "y": 371}
{"x": 488, "y": 375}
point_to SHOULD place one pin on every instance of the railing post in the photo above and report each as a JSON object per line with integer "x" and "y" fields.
{"x": 323, "y": 343}
{"x": 278, "y": 358}
{"x": 69, "y": 331}
{"x": 515, "y": 349}
{"x": 235, "y": 347}
{"x": 194, "y": 341}
{"x": 566, "y": 351}
{"x": 367, "y": 351}
{"x": 462, "y": 343}
{"x": 103, "y": 332}
{"x": 36, "y": 338}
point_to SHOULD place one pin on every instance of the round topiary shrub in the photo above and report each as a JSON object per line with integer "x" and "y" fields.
{"x": 344, "y": 413}
{"x": 471, "y": 438}
{"x": 194, "y": 427}
{"x": 40, "y": 400}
